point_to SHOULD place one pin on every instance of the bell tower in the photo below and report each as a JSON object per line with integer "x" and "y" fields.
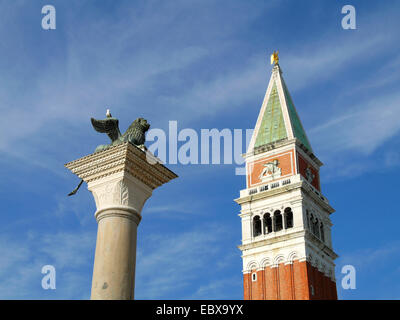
{"x": 286, "y": 228}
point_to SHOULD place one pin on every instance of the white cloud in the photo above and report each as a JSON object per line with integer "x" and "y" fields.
{"x": 170, "y": 208}
{"x": 107, "y": 64}
{"x": 328, "y": 57}
{"x": 367, "y": 258}
{"x": 362, "y": 128}
{"x": 220, "y": 289}
{"x": 169, "y": 264}
{"x": 380, "y": 261}
{"x": 222, "y": 92}
{"x": 22, "y": 261}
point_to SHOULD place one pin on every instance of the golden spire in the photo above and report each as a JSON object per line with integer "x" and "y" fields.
{"x": 275, "y": 58}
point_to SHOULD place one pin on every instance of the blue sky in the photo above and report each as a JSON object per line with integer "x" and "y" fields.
{"x": 204, "y": 64}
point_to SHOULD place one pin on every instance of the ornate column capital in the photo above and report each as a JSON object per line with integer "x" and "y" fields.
{"x": 124, "y": 157}
{"x": 119, "y": 192}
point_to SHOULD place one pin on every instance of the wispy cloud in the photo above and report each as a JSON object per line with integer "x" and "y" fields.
{"x": 22, "y": 260}
{"x": 381, "y": 261}
{"x": 365, "y": 259}
{"x": 180, "y": 208}
{"x": 362, "y": 128}
{"x": 196, "y": 62}
{"x": 329, "y": 56}
{"x": 119, "y": 63}
{"x": 168, "y": 264}
{"x": 225, "y": 288}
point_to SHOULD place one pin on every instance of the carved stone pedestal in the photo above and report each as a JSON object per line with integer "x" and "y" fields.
{"x": 121, "y": 179}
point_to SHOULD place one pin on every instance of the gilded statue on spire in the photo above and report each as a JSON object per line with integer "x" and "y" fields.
{"x": 275, "y": 58}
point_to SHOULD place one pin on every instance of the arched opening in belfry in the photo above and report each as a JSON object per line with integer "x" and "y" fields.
{"x": 256, "y": 226}
{"x": 278, "y": 221}
{"x": 267, "y": 223}
{"x": 288, "y": 218}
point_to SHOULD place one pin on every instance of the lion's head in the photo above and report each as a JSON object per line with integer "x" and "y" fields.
{"x": 142, "y": 123}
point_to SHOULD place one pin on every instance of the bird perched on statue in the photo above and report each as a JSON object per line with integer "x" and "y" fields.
{"x": 135, "y": 134}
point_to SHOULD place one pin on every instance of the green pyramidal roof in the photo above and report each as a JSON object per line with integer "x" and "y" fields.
{"x": 298, "y": 130}
{"x": 273, "y": 127}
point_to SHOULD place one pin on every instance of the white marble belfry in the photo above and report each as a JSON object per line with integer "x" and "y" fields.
{"x": 121, "y": 179}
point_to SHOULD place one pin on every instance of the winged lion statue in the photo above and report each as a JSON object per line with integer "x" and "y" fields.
{"x": 135, "y": 134}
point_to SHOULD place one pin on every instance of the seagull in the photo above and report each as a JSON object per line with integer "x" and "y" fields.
{"x": 108, "y": 114}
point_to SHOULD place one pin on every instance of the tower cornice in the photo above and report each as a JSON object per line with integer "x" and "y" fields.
{"x": 296, "y": 182}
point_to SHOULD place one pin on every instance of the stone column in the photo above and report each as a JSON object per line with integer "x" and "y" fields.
{"x": 121, "y": 179}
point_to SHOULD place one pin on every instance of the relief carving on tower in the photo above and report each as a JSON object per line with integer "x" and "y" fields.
{"x": 271, "y": 168}
{"x": 309, "y": 175}
{"x": 308, "y": 171}
{"x": 271, "y": 171}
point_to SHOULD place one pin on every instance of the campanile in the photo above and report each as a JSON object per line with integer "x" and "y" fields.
{"x": 286, "y": 228}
